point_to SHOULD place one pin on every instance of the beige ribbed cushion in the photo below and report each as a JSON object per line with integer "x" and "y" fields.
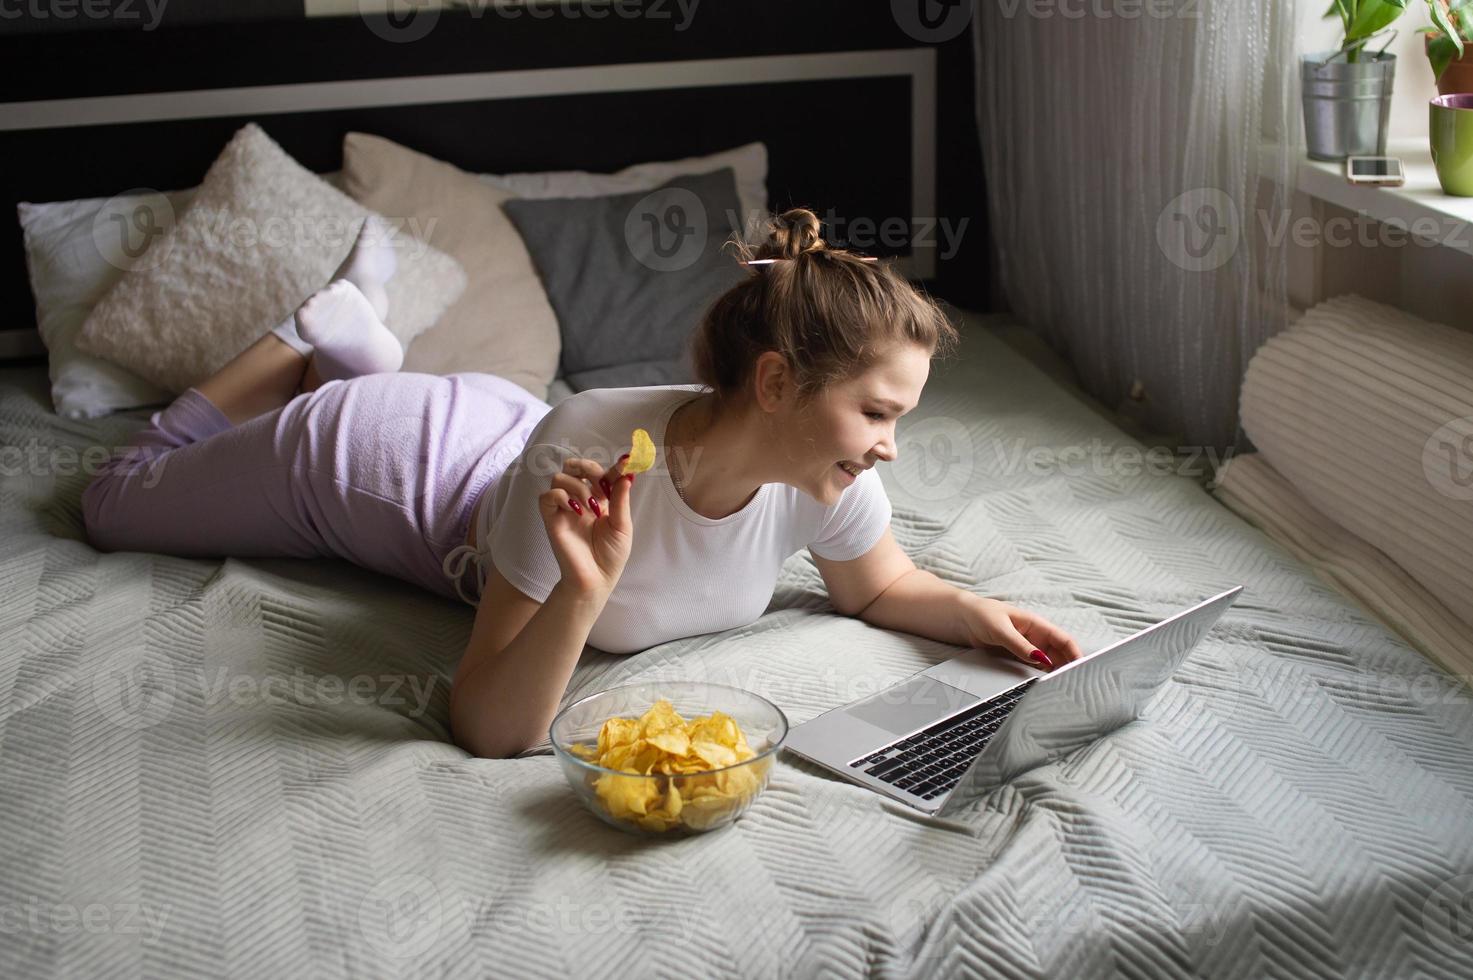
{"x": 503, "y": 324}
{"x": 1260, "y": 495}
{"x": 1346, "y": 405}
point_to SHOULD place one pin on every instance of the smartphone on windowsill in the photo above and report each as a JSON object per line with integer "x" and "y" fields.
{"x": 1375, "y": 171}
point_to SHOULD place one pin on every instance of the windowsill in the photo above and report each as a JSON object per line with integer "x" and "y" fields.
{"x": 1419, "y": 206}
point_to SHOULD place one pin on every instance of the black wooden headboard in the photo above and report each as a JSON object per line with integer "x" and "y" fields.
{"x": 842, "y": 95}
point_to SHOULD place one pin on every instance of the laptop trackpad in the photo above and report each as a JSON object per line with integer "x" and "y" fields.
{"x": 910, "y": 705}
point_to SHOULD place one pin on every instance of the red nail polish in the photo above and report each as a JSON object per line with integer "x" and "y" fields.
{"x": 574, "y": 504}
{"x": 622, "y": 459}
{"x": 603, "y": 482}
{"x": 593, "y": 506}
{"x": 630, "y": 478}
{"x": 1038, "y": 656}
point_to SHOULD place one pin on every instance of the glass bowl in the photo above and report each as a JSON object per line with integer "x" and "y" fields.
{"x": 675, "y": 804}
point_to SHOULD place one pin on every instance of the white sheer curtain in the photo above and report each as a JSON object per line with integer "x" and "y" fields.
{"x": 1124, "y": 157}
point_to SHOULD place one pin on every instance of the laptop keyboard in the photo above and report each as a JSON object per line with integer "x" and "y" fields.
{"x": 932, "y": 761}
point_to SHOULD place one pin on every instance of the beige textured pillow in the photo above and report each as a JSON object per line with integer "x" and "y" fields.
{"x": 1366, "y": 410}
{"x": 503, "y": 324}
{"x": 262, "y": 234}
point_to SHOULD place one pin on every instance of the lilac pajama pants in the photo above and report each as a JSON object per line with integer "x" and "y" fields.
{"x": 382, "y": 470}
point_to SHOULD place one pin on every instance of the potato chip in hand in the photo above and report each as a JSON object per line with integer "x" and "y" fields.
{"x": 641, "y": 453}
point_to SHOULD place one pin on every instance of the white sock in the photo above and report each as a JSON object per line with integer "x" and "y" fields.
{"x": 347, "y": 337}
{"x": 287, "y": 331}
{"x": 371, "y": 262}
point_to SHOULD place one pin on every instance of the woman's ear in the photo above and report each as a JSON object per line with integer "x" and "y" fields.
{"x": 773, "y": 380}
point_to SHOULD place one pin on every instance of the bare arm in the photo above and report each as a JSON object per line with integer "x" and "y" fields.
{"x": 521, "y": 652}
{"x": 918, "y": 602}
{"x": 503, "y": 703}
{"x": 883, "y": 587}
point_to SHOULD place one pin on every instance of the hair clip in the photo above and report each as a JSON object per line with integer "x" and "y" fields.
{"x": 862, "y": 258}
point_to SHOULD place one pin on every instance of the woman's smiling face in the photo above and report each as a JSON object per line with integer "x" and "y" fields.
{"x": 852, "y": 422}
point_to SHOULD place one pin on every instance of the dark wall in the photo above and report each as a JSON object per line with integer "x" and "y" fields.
{"x": 961, "y": 187}
{"x": 279, "y": 44}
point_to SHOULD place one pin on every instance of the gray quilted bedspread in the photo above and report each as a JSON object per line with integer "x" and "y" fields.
{"x": 242, "y": 767}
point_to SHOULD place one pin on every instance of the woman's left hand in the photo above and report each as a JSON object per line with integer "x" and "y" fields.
{"x": 992, "y": 623}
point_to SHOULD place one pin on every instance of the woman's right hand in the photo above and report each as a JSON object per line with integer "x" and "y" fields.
{"x": 591, "y": 538}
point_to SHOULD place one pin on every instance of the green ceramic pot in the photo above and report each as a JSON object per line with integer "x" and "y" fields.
{"x": 1451, "y": 129}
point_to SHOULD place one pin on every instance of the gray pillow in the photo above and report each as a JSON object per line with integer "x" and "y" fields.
{"x": 639, "y": 374}
{"x": 629, "y": 275}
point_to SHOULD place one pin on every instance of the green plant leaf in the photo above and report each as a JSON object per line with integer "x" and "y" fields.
{"x": 1440, "y": 18}
{"x": 1440, "y": 53}
{"x": 1449, "y": 35}
{"x": 1460, "y": 15}
{"x": 1373, "y": 16}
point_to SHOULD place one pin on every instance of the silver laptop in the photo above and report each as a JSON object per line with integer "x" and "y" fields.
{"x": 958, "y": 730}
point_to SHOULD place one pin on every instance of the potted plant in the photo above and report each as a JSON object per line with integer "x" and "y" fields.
{"x": 1448, "y": 41}
{"x": 1347, "y": 92}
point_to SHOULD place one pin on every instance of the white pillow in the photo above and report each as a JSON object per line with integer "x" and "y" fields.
{"x": 69, "y": 274}
{"x": 748, "y": 161}
{"x": 262, "y": 234}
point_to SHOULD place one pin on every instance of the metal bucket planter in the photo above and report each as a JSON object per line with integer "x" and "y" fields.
{"x": 1346, "y": 106}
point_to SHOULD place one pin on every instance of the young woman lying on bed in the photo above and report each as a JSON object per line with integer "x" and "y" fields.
{"x": 309, "y": 444}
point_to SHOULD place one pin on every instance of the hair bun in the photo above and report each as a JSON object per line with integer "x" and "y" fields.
{"x": 793, "y": 233}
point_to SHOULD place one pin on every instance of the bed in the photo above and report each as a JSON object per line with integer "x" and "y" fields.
{"x": 242, "y": 767}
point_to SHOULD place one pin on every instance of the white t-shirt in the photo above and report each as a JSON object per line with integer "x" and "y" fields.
{"x": 686, "y": 574}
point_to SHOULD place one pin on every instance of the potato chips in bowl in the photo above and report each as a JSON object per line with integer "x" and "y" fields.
{"x": 669, "y": 758}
